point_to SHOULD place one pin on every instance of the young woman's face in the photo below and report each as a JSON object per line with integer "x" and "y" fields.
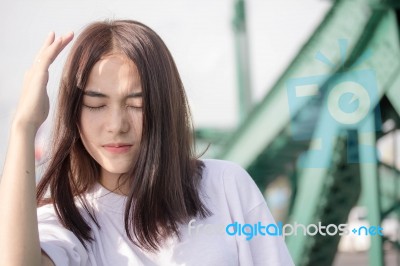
{"x": 111, "y": 119}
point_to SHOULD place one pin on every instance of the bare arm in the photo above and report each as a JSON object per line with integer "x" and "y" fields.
{"x": 46, "y": 261}
{"x": 19, "y": 241}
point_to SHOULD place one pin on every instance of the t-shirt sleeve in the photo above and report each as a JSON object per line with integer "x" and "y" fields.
{"x": 266, "y": 249}
{"x": 244, "y": 195}
{"x": 60, "y": 244}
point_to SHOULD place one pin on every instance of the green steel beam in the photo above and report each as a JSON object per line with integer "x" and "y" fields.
{"x": 243, "y": 59}
{"x": 371, "y": 189}
{"x": 262, "y": 126}
{"x": 310, "y": 189}
{"x": 263, "y": 137}
{"x": 393, "y": 94}
{"x": 390, "y": 192}
{"x": 385, "y": 62}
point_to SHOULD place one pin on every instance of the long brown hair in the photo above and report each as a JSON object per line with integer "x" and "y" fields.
{"x": 164, "y": 181}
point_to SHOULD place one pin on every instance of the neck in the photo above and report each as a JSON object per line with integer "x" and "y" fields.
{"x": 110, "y": 182}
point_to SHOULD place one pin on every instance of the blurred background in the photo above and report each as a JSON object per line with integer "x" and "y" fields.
{"x": 303, "y": 94}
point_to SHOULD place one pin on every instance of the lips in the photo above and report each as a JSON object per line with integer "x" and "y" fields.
{"x": 118, "y": 147}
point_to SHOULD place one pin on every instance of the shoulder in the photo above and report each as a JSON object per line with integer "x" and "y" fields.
{"x": 223, "y": 168}
{"x": 231, "y": 180}
{"x": 230, "y": 173}
{"x": 59, "y": 243}
{"x": 46, "y": 212}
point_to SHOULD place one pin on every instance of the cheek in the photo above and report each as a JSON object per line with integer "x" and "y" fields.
{"x": 87, "y": 128}
{"x": 89, "y": 121}
{"x": 137, "y": 122}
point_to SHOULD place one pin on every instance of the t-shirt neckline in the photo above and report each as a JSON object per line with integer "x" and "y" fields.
{"x": 108, "y": 199}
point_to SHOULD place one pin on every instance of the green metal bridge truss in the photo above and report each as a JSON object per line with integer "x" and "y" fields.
{"x": 265, "y": 145}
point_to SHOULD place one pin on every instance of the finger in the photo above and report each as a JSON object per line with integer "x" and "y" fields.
{"x": 60, "y": 45}
{"x": 48, "y": 41}
{"x": 50, "y": 53}
{"x": 65, "y": 40}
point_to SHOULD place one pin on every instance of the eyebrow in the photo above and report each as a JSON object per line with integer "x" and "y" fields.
{"x": 102, "y": 95}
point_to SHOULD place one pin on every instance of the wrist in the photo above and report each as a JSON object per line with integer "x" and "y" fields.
{"x": 18, "y": 127}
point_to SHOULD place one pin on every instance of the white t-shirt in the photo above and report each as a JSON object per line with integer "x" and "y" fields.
{"x": 226, "y": 189}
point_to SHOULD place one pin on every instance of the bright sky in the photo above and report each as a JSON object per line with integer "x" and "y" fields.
{"x": 198, "y": 33}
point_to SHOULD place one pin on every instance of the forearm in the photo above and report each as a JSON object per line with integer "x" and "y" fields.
{"x": 19, "y": 241}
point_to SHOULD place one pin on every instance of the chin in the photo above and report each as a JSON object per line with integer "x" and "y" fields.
{"x": 117, "y": 170}
{"x": 116, "y": 166}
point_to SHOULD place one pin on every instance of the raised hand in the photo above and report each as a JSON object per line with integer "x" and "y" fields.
{"x": 19, "y": 241}
{"x": 33, "y": 106}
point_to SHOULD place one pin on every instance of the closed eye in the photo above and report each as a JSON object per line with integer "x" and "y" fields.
{"x": 134, "y": 107}
{"x": 94, "y": 108}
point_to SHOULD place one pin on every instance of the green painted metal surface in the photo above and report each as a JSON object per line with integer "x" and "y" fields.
{"x": 371, "y": 192}
{"x": 381, "y": 39}
{"x": 265, "y": 146}
{"x": 242, "y": 58}
{"x": 262, "y": 126}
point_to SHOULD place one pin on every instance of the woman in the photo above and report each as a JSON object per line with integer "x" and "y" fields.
{"x": 124, "y": 185}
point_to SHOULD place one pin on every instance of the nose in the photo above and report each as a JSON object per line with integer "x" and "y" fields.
{"x": 118, "y": 121}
